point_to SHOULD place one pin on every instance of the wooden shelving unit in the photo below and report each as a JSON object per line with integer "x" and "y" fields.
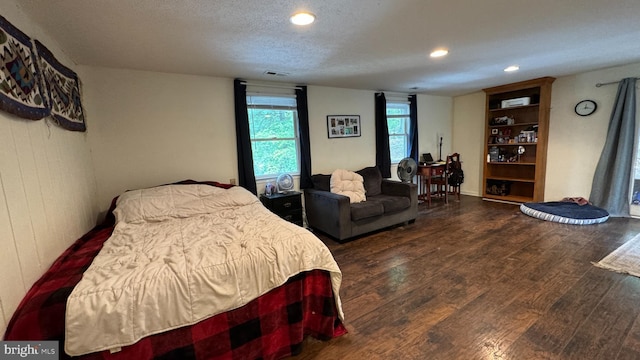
{"x": 509, "y": 176}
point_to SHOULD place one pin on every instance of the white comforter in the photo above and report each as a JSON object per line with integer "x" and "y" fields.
{"x": 180, "y": 254}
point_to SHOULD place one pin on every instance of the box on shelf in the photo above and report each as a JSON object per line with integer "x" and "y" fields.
{"x": 522, "y": 101}
{"x": 498, "y": 187}
{"x": 494, "y": 154}
{"x": 528, "y": 136}
{"x": 502, "y": 120}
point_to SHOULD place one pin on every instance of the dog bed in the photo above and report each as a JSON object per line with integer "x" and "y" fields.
{"x": 566, "y": 212}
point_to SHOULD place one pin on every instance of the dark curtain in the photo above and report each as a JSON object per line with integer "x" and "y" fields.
{"x": 383, "y": 154}
{"x": 611, "y": 181}
{"x": 413, "y": 127}
{"x": 246, "y": 177}
{"x": 305, "y": 143}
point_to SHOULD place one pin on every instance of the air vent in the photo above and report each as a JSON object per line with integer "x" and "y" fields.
{"x": 275, "y": 73}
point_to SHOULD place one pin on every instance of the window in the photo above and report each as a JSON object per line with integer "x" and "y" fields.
{"x": 398, "y": 124}
{"x": 273, "y": 127}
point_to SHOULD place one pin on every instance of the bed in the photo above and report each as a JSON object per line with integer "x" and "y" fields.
{"x": 242, "y": 283}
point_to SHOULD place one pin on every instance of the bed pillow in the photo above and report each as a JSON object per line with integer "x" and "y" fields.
{"x": 162, "y": 202}
{"x": 348, "y": 183}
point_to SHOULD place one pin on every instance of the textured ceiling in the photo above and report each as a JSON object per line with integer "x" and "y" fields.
{"x": 361, "y": 44}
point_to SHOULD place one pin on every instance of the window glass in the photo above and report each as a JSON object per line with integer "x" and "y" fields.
{"x": 398, "y": 125}
{"x": 273, "y": 126}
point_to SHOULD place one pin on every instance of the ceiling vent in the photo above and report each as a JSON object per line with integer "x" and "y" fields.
{"x": 275, "y": 73}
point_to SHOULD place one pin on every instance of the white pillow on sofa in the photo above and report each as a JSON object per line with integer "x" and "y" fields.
{"x": 348, "y": 183}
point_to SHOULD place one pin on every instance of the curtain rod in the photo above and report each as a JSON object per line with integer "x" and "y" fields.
{"x": 292, "y": 87}
{"x": 611, "y": 82}
{"x": 398, "y": 94}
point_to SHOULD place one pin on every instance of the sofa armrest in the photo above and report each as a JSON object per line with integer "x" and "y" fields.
{"x": 397, "y": 188}
{"x": 328, "y": 212}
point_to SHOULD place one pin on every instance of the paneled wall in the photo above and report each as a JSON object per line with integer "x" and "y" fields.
{"x": 47, "y": 200}
{"x": 47, "y": 190}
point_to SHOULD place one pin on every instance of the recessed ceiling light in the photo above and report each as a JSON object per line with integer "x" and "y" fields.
{"x": 512, "y": 68}
{"x": 303, "y": 18}
{"x": 439, "y": 53}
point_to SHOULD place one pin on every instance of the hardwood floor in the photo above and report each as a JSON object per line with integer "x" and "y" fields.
{"x": 480, "y": 280}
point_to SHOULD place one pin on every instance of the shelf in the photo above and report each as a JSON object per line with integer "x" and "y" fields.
{"x": 524, "y": 179}
{"x": 515, "y": 107}
{"x": 505, "y": 178}
{"x": 508, "y": 198}
{"x": 513, "y": 144}
{"x": 510, "y": 163}
{"x": 519, "y": 124}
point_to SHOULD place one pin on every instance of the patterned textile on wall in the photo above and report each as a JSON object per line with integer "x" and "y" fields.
{"x": 20, "y": 90}
{"x": 63, "y": 90}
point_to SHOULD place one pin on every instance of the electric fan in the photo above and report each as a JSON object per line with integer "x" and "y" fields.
{"x": 407, "y": 168}
{"x": 284, "y": 183}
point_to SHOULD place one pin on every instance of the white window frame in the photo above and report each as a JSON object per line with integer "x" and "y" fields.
{"x": 407, "y": 123}
{"x": 254, "y": 103}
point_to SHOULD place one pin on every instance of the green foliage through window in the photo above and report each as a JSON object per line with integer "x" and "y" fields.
{"x": 273, "y": 126}
{"x": 398, "y": 125}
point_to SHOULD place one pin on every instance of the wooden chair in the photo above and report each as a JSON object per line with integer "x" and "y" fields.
{"x": 455, "y": 176}
{"x": 440, "y": 182}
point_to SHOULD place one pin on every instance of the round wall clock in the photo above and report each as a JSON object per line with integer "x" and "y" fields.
{"x": 586, "y": 107}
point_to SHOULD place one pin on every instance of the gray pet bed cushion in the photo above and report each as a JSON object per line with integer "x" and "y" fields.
{"x": 566, "y": 212}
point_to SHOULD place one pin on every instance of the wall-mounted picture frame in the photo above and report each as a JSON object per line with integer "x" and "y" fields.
{"x": 340, "y": 126}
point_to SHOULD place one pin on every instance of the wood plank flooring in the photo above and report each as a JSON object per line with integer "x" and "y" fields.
{"x": 480, "y": 280}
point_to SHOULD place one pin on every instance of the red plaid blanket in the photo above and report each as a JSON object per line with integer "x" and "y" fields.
{"x": 269, "y": 327}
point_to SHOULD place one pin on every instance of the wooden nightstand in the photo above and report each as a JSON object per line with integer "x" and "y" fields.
{"x": 287, "y": 205}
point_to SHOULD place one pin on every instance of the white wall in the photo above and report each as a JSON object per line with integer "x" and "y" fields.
{"x": 434, "y": 120}
{"x": 468, "y": 135}
{"x": 352, "y": 153}
{"x": 575, "y": 142}
{"x": 47, "y": 190}
{"x": 435, "y": 114}
{"x": 152, "y": 128}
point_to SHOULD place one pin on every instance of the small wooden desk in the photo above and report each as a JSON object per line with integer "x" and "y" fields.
{"x": 425, "y": 174}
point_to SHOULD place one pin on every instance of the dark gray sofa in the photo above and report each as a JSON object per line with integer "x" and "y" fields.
{"x": 388, "y": 203}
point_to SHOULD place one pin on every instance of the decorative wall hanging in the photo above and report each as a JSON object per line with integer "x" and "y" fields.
{"x": 63, "y": 90}
{"x": 343, "y": 126}
{"x": 20, "y": 89}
